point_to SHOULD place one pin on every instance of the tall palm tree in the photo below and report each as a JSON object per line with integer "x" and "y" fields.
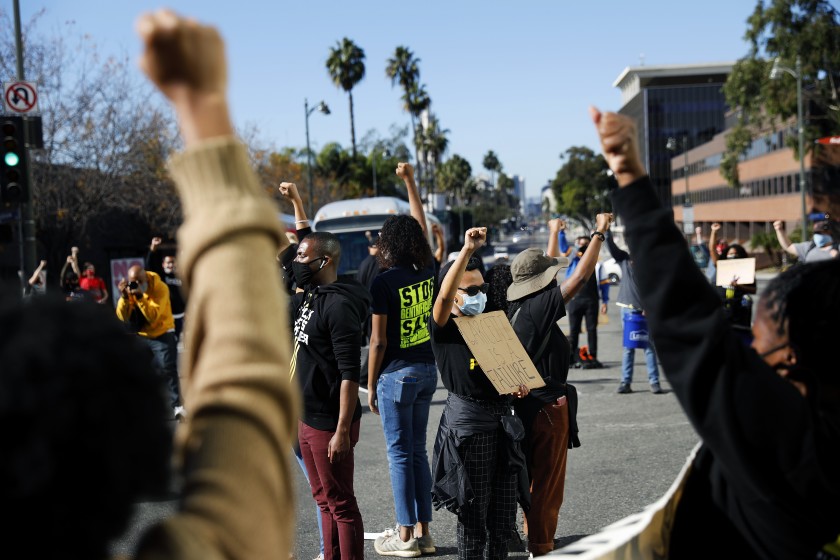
{"x": 403, "y": 69}
{"x": 347, "y": 68}
{"x": 492, "y": 164}
{"x": 434, "y": 143}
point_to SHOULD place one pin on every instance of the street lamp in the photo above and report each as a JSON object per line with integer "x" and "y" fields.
{"x": 385, "y": 153}
{"x": 688, "y": 211}
{"x": 326, "y": 110}
{"x": 800, "y": 125}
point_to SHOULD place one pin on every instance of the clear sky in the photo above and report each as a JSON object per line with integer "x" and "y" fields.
{"x": 512, "y": 77}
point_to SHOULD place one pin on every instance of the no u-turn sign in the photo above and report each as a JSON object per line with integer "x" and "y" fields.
{"x": 20, "y": 97}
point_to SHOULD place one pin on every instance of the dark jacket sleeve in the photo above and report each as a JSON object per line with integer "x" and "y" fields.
{"x": 345, "y": 325}
{"x": 732, "y": 398}
{"x": 154, "y": 262}
{"x": 615, "y": 251}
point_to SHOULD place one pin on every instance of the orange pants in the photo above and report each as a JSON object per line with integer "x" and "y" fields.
{"x": 549, "y": 441}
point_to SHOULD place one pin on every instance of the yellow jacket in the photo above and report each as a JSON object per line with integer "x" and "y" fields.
{"x": 154, "y": 305}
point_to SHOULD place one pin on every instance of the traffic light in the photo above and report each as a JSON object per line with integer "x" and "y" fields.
{"x": 13, "y": 175}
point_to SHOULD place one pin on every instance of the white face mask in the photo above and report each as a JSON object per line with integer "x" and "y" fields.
{"x": 473, "y": 305}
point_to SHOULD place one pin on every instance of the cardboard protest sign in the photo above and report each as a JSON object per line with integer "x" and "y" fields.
{"x": 742, "y": 270}
{"x": 501, "y": 356}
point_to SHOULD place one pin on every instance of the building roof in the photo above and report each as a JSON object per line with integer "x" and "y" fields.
{"x": 633, "y": 78}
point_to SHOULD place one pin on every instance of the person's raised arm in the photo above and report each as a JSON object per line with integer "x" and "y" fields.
{"x": 615, "y": 251}
{"x": 712, "y": 242}
{"x": 243, "y": 408}
{"x": 440, "y": 243}
{"x": 290, "y": 192}
{"x": 198, "y": 92}
{"x": 556, "y": 229}
{"x": 474, "y": 238}
{"x": 74, "y": 261}
{"x": 784, "y": 241}
{"x": 154, "y": 259}
{"x": 572, "y": 285}
{"x": 405, "y": 171}
{"x": 37, "y": 274}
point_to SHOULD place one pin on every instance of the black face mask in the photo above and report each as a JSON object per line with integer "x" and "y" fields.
{"x": 582, "y": 250}
{"x": 303, "y": 273}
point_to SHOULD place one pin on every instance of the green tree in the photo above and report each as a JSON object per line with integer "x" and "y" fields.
{"x": 433, "y": 144}
{"x": 404, "y": 69}
{"x": 787, "y": 29}
{"x": 346, "y": 66}
{"x": 105, "y": 144}
{"x": 492, "y": 164}
{"x": 582, "y": 185}
{"x": 453, "y": 177}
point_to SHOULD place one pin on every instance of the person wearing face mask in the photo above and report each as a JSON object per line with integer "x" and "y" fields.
{"x": 144, "y": 307}
{"x": 328, "y": 316}
{"x": 93, "y": 284}
{"x": 164, "y": 266}
{"x": 764, "y": 481}
{"x": 477, "y": 461}
{"x": 822, "y": 247}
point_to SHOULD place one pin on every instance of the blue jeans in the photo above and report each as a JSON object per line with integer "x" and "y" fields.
{"x": 404, "y": 397}
{"x": 629, "y": 356}
{"x": 165, "y": 351}
{"x": 300, "y": 462}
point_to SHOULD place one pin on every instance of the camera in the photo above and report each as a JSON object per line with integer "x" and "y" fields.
{"x": 133, "y": 285}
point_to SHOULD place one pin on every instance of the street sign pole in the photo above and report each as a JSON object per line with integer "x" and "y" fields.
{"x": 27, "y": 219}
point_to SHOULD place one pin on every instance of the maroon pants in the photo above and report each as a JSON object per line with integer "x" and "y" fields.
{"x": 332, "y": 488}
{"x": 549, "y": 437}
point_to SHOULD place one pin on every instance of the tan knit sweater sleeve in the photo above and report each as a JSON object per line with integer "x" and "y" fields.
{"x": 238, "y": 496}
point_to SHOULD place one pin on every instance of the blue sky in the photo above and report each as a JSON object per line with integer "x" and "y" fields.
{"x": 512, "y": 77}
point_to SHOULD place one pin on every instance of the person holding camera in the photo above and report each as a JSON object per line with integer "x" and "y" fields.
{"x": 145, "y": 308}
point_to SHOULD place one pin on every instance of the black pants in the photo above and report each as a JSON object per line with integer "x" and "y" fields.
{"x": 578, "y": 309}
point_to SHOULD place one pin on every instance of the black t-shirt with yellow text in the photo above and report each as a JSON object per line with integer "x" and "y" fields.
{"x": 406, "y": 297}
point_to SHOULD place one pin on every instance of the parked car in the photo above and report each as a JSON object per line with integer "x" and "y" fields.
{"x": 612, "y": 271}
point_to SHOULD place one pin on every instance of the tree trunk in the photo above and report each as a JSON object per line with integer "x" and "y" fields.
{"x": 352, "y": 124}
{"x": 417, "y": 155}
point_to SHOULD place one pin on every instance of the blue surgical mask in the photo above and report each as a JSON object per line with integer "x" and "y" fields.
{"x": 473, "y": 305}
{"x": 821, "y": 239}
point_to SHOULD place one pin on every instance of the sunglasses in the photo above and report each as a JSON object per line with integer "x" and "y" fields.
{"x": 473, "y": 290}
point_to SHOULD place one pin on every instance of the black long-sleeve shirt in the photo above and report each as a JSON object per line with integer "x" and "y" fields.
{"x": 766, "y": 480}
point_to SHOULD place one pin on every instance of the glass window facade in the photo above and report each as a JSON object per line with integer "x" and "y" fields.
{"x": 676, "y": 108}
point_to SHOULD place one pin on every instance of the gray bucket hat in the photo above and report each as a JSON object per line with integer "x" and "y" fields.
{"x": 532, "y": 271}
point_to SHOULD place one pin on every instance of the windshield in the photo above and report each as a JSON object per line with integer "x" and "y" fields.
{"x": 354, "y": 249}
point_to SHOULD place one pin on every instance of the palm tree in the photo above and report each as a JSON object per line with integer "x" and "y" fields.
{"x": 347, "y": 68}
{"x": 434, "y": 143}
{"x": 403, "y": 69}
{"x": 492, "y": 164}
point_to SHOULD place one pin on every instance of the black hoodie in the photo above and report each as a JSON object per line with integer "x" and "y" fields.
{"x": 328, "y": 323}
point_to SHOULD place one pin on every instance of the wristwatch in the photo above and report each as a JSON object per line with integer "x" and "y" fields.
{"x": 597, "y": 234}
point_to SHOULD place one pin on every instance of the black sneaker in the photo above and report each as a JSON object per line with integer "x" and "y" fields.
{"x": 624, "y": 389}
{"x": 656, "y": 389}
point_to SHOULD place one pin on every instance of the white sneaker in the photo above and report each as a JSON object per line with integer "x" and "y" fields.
{"x": 180, "y": 413}
{"x": 390, "y": 544}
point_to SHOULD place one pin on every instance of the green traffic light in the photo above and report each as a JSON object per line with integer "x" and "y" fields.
{"x": 12, "y": 159}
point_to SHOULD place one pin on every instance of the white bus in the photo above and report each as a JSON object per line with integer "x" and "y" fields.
{"x": 350, "y": 219}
